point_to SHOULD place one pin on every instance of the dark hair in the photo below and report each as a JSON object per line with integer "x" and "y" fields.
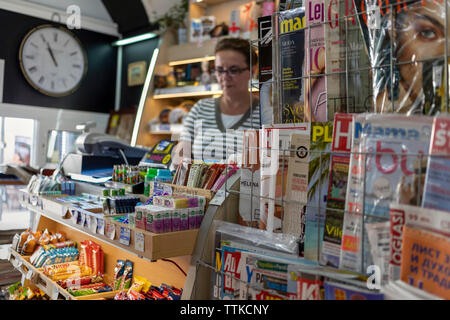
{"x": 239, "y": 45}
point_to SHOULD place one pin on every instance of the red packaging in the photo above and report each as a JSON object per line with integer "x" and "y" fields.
{"x": 83, "y": 253}
{"x": 76, "y": 282}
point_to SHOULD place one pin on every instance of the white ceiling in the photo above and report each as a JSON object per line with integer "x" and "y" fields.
{"x": 90, "y": 8}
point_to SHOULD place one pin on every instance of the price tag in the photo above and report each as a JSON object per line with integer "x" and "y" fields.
{"x": 83, "y": 218}
{"x": 125, "y": 235}
{"x": 92, "y": 224}
{"x": 100, "y": 226}
{"x": 74, "y": 217}
{"x": 63, "y": 211}
{"x": 139, "y": 241}
{"x": 110, "y": 231}
{"x": 29, "y": 275}
{"x": 219, "y": 198}
{"x": 55, "y": 292}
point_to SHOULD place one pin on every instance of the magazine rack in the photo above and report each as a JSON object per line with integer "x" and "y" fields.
{"x": 347, "y": 100}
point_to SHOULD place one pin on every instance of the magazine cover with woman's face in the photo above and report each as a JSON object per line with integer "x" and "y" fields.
{"x": 406, "y": 41}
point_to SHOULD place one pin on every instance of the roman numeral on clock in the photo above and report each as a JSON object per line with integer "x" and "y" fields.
{"x": 32, "y": 69}
{"x": 41, "y": 79}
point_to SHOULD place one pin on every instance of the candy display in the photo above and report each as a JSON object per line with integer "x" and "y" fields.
{"x": 91, "y": 255}
{"x": 128, "y": 174}
{"x": 142, "y": 289}
{"x": 115, "y": 202}
{"x": 47, "y": 255}
{"x": 27, "y": 242}
{"x": 17, "y": 292}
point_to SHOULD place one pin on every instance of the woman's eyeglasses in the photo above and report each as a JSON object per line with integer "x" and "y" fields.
{"x": 233, "y": 71}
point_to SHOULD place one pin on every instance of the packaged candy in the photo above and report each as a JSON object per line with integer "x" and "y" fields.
{"x": 79, "y": 281}
{"x": 118, "y": 272}
{"x": 29, "y": 245}
{"x": 127, "y": 275}
{"x": 139, "y": 285}
{"x": 184, "y": 219}
{"x": 23, "y": 238}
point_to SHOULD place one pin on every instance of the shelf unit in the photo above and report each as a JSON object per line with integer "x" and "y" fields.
{"x": 152, "y": 263}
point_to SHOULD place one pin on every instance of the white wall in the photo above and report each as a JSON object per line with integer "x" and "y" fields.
{"x": 49, "y": 119}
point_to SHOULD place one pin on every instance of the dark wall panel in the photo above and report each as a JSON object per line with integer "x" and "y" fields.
{"x": 97, "y": 91}
{"x": 140, "y": 51}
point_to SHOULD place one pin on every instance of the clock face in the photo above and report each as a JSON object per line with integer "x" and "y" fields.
{"x": 53, "y": 60}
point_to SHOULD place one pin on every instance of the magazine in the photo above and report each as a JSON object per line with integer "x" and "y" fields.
{"x": 274, "y": 171}
{"x": 406, "y": 54}
{"x": 337, "y": 188}
{"x": 250, "y": 180}
{"x": 307, "y": 285}
{"x": 425, "y": 262}
{"x": 392, "y": 146}
{"x": 288, "y": 65}
{"x": 315, "y": 85}
{"x": 426, "y": 219}
{"x": 231, "y": 258}
{"x": 265, "y": 69}
{"x": 436, "y": 193}
{"x": 264, "y": 278}
{"x": 318, "y": 178}
{"x": 338, "y": 291}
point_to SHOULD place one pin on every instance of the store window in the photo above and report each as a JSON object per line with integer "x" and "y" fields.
{"x": 17, "y": 140}
{"x": 17, "y": 137}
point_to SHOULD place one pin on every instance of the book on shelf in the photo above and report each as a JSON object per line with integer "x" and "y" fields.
{"x": 265, "y": 69}
{"x": 274, "y": 171}
{"x": 436, "y": 191}
{"x": 248, "y": 15}
{"x": 315, "y": 81}
{"x": 288, "y": 65}
{"x": 339, "y": 291}
{"x": 425, "y": 260}
{"x": 408, "y": 70}
{"x": 337, "y": 188}
{"x": 401, "y": 215}
{"x": 387, "y": 149}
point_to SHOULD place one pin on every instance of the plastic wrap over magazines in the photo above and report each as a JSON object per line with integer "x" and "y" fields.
{"x": 273, "y": 241}
{"x": 406, "y": 42}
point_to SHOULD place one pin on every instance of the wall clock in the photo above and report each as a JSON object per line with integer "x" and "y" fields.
{"x": 53, "y": 60}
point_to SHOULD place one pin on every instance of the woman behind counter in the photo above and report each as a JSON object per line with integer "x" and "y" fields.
{"x": 213, "y": 129}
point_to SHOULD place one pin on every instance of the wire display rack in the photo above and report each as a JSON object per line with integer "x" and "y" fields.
{"x": 385, "y": 16}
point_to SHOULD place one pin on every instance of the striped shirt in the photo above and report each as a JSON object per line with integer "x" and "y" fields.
{"x": 210, "y": 140}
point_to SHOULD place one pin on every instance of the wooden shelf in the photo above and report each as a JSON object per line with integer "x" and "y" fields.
{"x": 187, "y": 94}
{"x": 193, "y": 60}
{"x": 39, "y": 279}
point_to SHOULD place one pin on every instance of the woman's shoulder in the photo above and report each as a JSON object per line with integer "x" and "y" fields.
{"x": 206, "y": 102}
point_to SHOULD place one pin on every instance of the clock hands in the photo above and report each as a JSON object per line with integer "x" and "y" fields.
{"x": 51, "y": 54}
